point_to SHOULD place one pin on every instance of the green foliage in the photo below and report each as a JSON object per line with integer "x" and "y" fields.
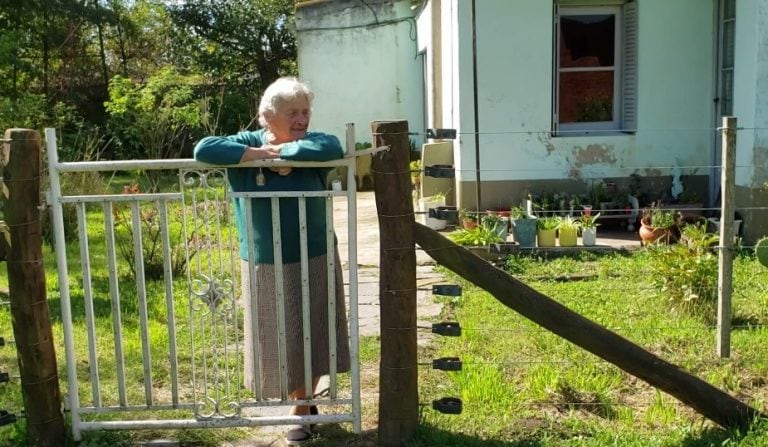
{"x": 517, "y": 212}
{"x": 761, "y": 251}
{"x": 589, "y": 221}
{"x": 568, "y": 223}
{"x": 687, "y": 272}
{"x": 547, "y": 223}
{"x": 156, "y": 119}
{"x": 151, "y": 234}
{"x": 658, "y": 217}
{"x": 477, "y": 236}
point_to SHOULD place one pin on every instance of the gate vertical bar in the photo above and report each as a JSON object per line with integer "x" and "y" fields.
{"x": 725, "y": 264}
{"x": 85, "y": 261}
{"x": 398, "y": 385}
{"x": 141, "y": 291}
{"x": 53, "y": 429}
{"x": 354, "y": 326}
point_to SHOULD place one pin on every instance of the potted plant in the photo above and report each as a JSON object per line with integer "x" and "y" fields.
{"x": 496, "y": 223}
{"x": 546, "y": 231}
{"x": 589, "y": 229}
{"x": 523, "y": 227}
{"x": 468, "y": 219}
{"x": 658, "y": 225}
{"x": 568, "y": 230}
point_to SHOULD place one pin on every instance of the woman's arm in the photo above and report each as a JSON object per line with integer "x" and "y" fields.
{"x": 315, "y": 146}
{"x": 234, "y": 149}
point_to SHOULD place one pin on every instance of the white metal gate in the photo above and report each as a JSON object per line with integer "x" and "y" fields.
{"x": 173, "y": 346}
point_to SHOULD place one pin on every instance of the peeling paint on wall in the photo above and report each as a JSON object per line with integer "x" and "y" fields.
{"x": 594, "y": 154}
{"x": 546, "y": 140}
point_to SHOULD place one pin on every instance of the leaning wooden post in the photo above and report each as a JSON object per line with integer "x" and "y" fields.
{"x": 26, "y": 285}
{"x": 725, "y": 260}
{"x": 398, "y": 374}
{"x": 711, "y": 402}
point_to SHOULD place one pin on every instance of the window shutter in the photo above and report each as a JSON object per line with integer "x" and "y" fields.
{"x": 629, "y": 69}
{"x": 555, "y": 59}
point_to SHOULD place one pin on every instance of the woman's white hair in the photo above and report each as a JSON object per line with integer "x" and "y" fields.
{"x": 279, "y": 92}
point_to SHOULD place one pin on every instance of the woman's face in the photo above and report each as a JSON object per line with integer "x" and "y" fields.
{"x": 290, "y": 121}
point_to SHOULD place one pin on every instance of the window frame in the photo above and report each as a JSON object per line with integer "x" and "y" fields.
{"x": 584, "y": 128}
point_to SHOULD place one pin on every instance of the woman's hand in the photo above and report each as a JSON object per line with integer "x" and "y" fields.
{"x": 266, "y": 152}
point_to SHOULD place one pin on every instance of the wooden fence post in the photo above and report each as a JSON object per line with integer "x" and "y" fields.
{"x": 398, "y": 369}
{"x": 20, "y": 158}
{"x": 725, "y": 260}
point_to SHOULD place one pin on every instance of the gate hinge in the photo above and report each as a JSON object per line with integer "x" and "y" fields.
{"x": 447, "y": 364}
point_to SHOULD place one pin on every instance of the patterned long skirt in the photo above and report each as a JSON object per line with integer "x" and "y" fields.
{"x": 263, "y": 294}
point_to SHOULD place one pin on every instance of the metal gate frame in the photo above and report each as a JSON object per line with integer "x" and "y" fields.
{"x": 80, "y": 412}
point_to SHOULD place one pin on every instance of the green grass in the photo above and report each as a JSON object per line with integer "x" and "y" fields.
{"x": 523, "y": 386}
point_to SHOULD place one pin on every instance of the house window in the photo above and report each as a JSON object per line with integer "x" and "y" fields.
{"x": 595, "y": 78}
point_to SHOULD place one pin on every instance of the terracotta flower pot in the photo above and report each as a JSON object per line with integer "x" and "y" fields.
{"x": 649, "y": 234}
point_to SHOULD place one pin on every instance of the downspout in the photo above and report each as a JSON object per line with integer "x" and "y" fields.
{"x": 476, "y": 109}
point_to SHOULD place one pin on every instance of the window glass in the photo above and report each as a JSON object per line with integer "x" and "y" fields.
{"x": 587, "y": 68}
{"x": 586, "y": 97}
{"x": 587, "y": 40}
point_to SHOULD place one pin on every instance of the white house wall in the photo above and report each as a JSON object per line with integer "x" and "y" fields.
{"x": 514, "y": 66}
{"x": 360, "y": 73}
{"x": 751, "y": 92}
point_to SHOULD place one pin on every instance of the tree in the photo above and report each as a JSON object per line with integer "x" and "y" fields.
{"x": 240, "y": 41}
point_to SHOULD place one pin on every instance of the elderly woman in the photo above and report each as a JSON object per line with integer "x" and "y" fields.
{"x": 284, "y": 113}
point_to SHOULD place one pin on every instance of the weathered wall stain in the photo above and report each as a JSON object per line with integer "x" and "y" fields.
{"x": 545, "y": 139}
{"x": 594, "y": 154}
{"x": 760, "y": 164}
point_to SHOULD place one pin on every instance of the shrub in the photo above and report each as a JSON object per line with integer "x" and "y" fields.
{"x": 687, "y": 272}
{"x": 151, "y": 234}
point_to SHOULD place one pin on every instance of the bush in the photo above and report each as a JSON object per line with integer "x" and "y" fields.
{"x": 151, "y": 235}
{"x": 687, "y": 272}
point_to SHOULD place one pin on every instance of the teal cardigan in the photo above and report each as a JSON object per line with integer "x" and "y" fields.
{"x": 315, "y": 146}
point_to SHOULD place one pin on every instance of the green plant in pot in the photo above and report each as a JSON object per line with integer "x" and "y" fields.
{"x": 546, "y": 231}
{"x": 523, "y": 227}
{"x": 477, "y": 236}
{"x": 568, "y": 230}
{"x": 495, "y": 223}
{"x": 589, "y": 229}
{"x": 658, "y": 225}
{"x": 467, "y": 218}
